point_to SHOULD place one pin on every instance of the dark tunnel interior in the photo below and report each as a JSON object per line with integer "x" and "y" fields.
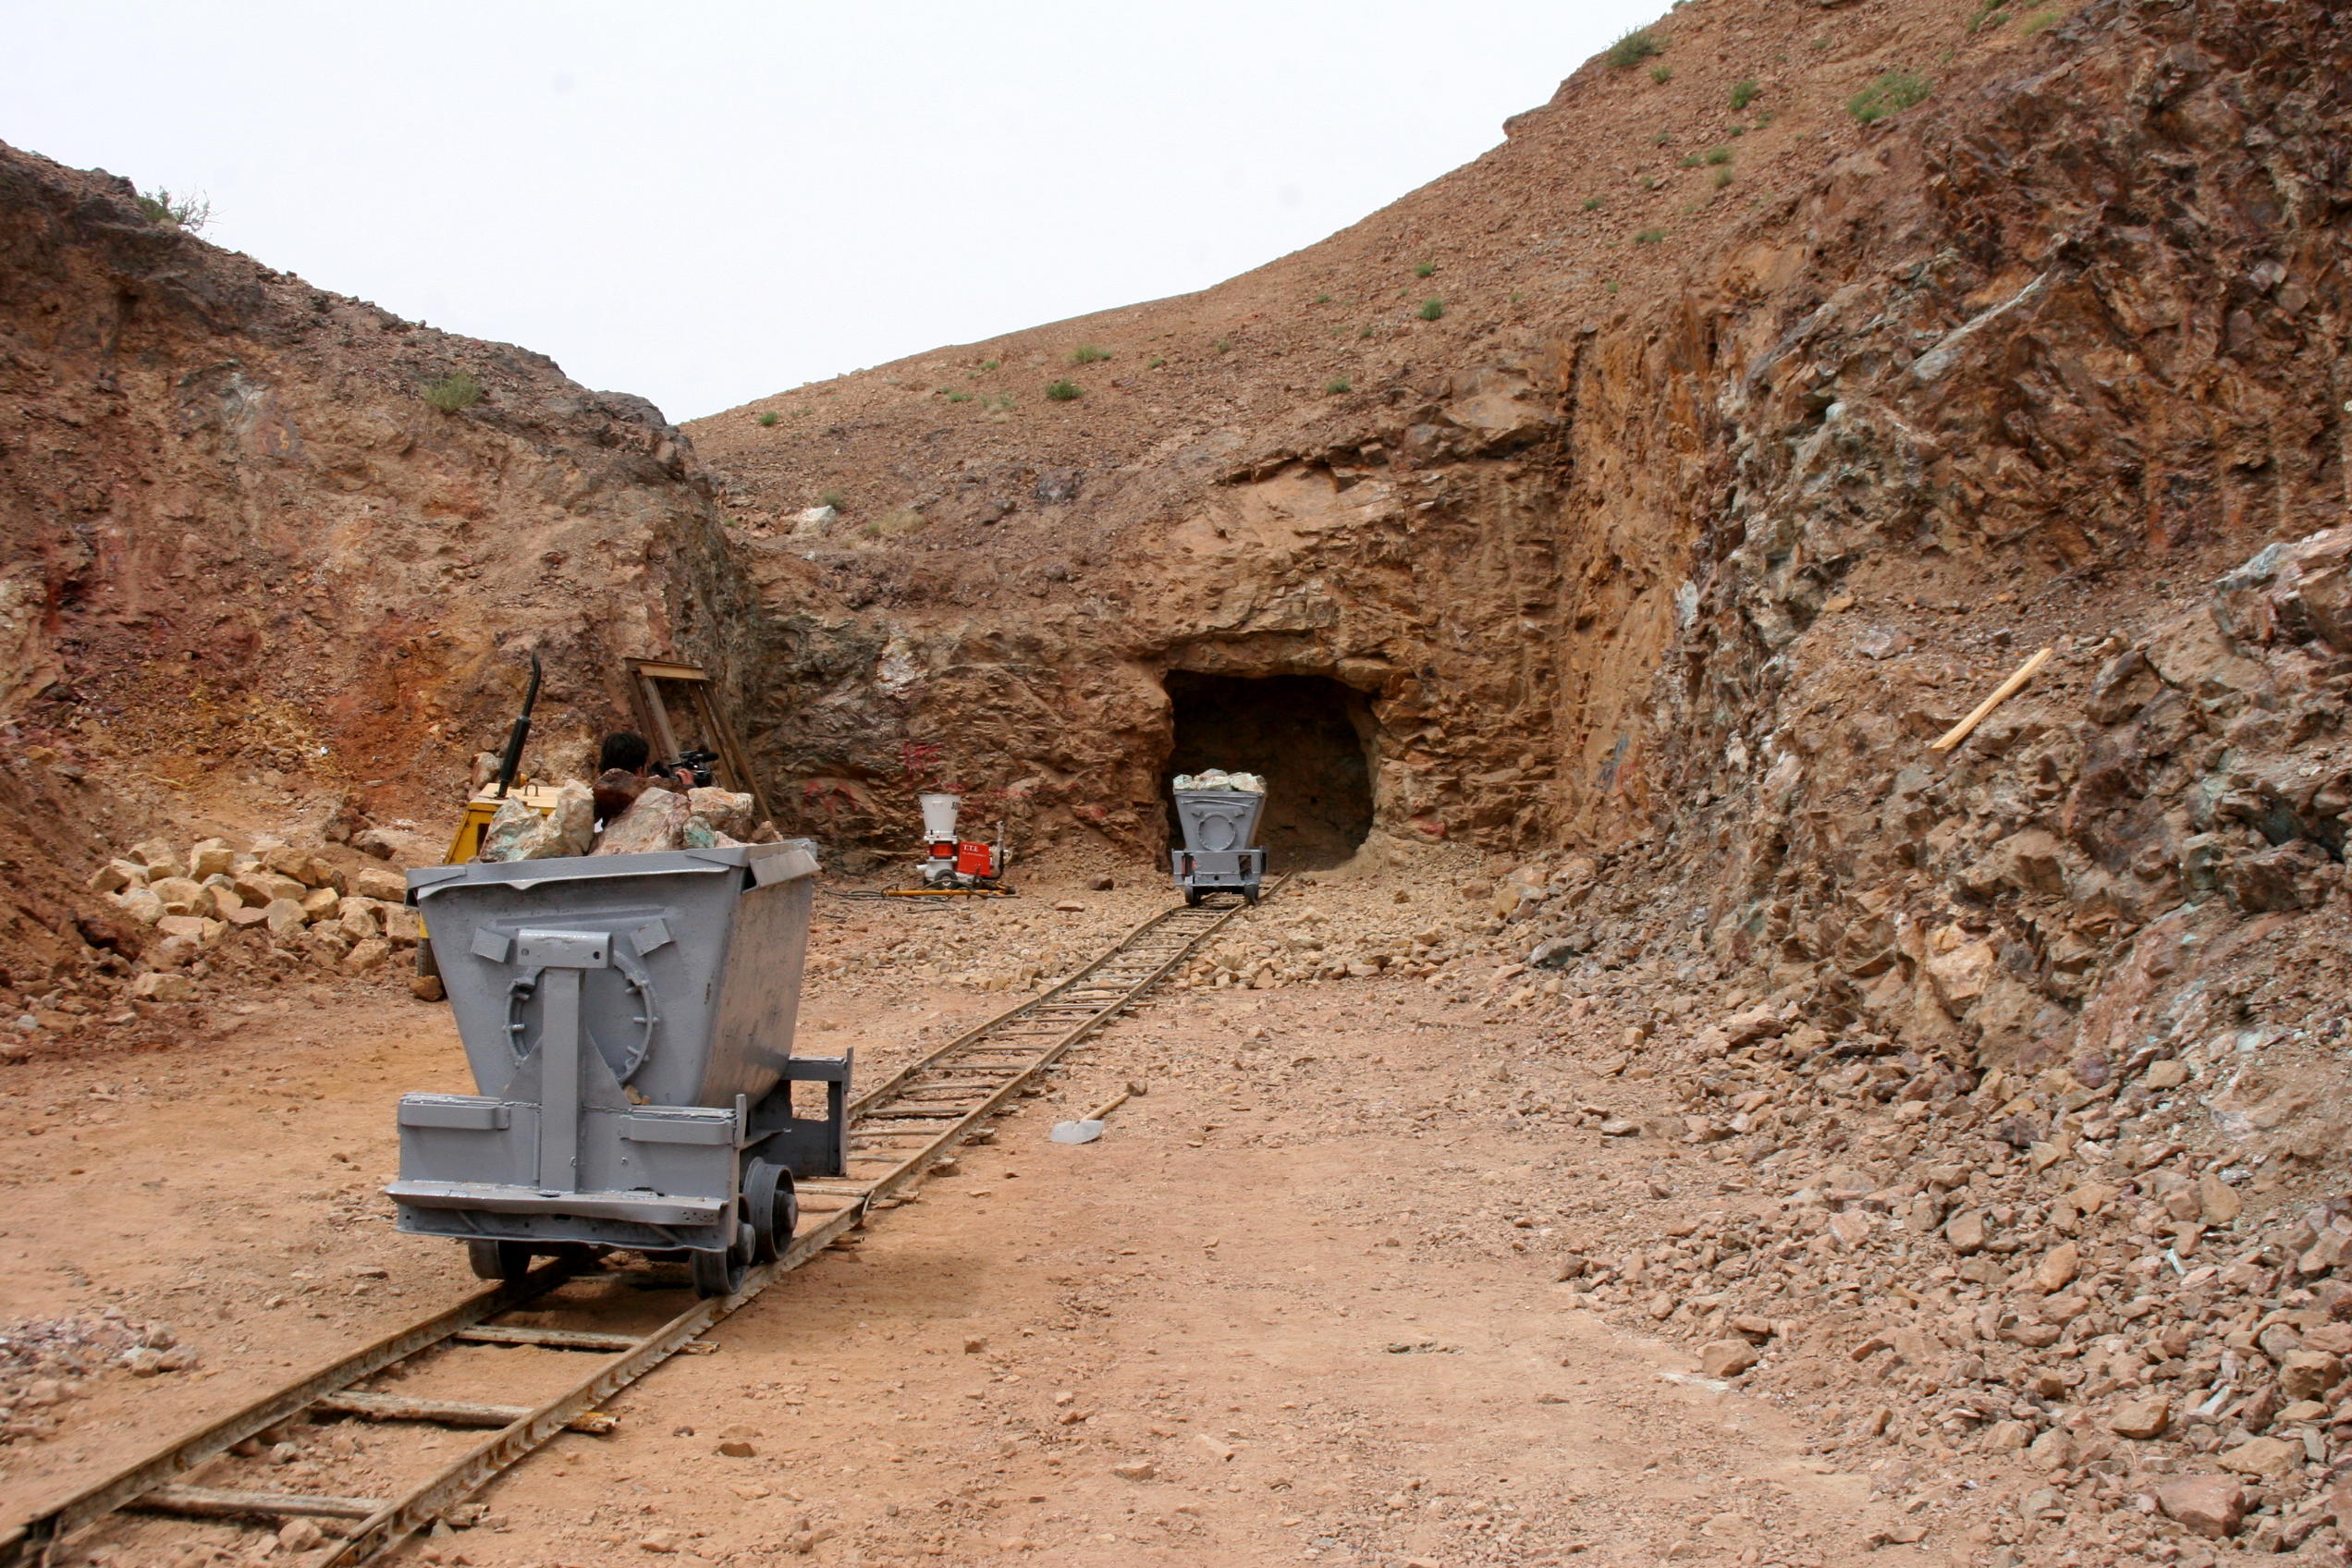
{"x": 1310, "y": 737}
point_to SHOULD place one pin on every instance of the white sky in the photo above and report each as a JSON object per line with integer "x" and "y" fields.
{"x": 704, "y": 204}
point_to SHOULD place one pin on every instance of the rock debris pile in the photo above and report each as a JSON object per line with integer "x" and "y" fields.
{"x": 46, "y": 1364}
{"x": 183, "y": 911}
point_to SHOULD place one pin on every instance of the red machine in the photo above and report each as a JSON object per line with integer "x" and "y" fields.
{"x": 953, "y": 864}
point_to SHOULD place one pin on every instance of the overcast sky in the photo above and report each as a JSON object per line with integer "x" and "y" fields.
{"x": 707, "y": 203}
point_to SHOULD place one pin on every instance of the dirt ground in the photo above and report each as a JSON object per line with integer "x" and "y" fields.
{"x": 1278, "y": 1312}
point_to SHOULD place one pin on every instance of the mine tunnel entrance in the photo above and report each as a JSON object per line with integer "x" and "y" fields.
{"x": 1311, "y": 738}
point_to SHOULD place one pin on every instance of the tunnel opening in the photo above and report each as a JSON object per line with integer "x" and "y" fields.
{"x": 1310, "y": 737}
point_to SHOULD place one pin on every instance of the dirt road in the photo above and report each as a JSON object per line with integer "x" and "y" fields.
{"x": 1297, "y": 1304}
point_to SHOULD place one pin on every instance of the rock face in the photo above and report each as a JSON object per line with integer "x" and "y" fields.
{"x": 234, "y": 530}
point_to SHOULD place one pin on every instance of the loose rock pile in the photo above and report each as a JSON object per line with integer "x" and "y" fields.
{"x": 184, "y": 908}
{"x": 46, "y": 1363}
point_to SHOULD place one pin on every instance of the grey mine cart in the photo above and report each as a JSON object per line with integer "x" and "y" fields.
{"x": 629, "y": 1023}
{"x": 1218, "y": 856}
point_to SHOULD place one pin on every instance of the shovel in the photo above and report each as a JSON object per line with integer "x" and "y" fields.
{"x": 1089, "y": 1127}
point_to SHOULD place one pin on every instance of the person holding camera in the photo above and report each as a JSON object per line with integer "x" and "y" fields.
{"x": 625, "y": 770}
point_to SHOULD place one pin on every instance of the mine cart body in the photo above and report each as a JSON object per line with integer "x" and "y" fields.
{"x": 629, "y": 1023}
{"x": 1217, "y": 855}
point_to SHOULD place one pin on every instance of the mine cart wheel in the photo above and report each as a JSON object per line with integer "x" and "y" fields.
{"x": 498, "y": 1260}
{"x": 721, "y": 1273}
{"x": 773, "y": 1208}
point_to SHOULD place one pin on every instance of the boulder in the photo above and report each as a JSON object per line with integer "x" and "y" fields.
{"x": 655, "y": 821}
{"x": 116, "y": 875}
{"x": 321, "y": 903}
{"x": 2308, "y": 1374}
{"x": 2141, "y": 1419}
{"x": 284, "y": 917}
{"x": 180, "y": 896}
{"x": 1726, "y": 1358}
{"x": 403, "y": 927}
{"x": 2210, "y": 1506}
{"x": 156, "y": 985}
{"x": 209, "y": 857}
{"x": 2264, "y": 1457}
{"x": 373, "y": 882}
{"x": 723, "y": 811}
{"x": 159, "y": 857}
{"x": 2125, "y": 684}
{"x": 519, "y": 832}
{"x": 260, "y": 887}
{"x": 367, "y": 955}
{"x": 141, "y": 904}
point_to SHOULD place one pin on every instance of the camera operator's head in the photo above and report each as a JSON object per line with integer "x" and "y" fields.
{"x": 626, "y": 750}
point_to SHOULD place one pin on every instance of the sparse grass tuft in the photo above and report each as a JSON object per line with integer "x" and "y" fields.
{"x": 1719, "y": 155}
{"x": 958, "y": 395}
{"x": 1723, "y": 178}
{"x": 1424, "y": 269}
{"x": 1594, "y": 204}
{"x": 1690, "y": 160}
{"x": 1649, "y": 237}
{"x": 1063, "y": 392}
{"x": 1365, "y": 333}
{"x": 1631, "y": 50}
{"x": 1224, "y": 346}
{"x": 1087, "y": 354}
{"x": 1661, "y": 75}
{"x": 1431, "y": 308}
{"x": 1610, "y": 286}
{"x": 987, "y": 364}
{"x": 2036, "y": 21}
{"x": 452, "y": 393}
{"x": 1661, "y": 139}
{"x": 1744, "y": 93}
{"x": 767, "y": 416}
{"x": 1991, "y": 15}
{"x": 835, "y": 500}
{"x": 1334, "y": 387}
{"x": 1322, "y": 299}
{"x": 1156, "y": 363}
{"x": 1892, "y": 92}
{"x": 190, "y": 212}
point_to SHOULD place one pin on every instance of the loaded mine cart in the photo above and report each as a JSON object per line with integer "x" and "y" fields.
{"x": 629, "y": 1023}
{"x": 1218, "y": 814}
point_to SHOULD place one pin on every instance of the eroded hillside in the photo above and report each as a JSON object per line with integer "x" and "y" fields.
{"x": 244, "y": 549}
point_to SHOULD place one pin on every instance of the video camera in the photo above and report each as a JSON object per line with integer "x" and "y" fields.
{"x": 697, "y": 763}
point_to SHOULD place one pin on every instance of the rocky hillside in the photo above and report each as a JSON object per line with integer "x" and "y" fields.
{"x": 1655, "y": 554}
{"x": 241, "y": 541}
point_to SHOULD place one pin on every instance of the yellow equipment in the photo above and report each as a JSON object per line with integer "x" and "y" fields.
{"x": 479, "y": 811}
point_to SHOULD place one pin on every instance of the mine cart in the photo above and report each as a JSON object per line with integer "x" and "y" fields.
{"x": 1218, "y": 856}
{"x": 629, "y": 1021}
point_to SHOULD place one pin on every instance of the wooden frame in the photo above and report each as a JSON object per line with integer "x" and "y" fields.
{"x": 657, "y": 689}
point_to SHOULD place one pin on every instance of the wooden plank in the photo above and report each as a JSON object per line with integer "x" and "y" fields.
{"x": 208, "y": 1502}
{"x": 449, "y": 1411}
{"x": 548, "y": 1339}
{"x": 2007, "y": 690}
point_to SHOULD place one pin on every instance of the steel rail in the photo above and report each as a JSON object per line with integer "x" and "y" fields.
{"x": 1061, "y": 1018}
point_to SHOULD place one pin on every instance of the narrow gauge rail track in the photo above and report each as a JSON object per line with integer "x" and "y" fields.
{"x": 898, "y": 1128}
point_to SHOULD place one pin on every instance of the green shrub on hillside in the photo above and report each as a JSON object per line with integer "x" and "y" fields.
{"x": 452, "y": 393}
{"x": 767, "y": 416}
{"x": 1649, "y": 237}
{"x": 1661, "y": 75}
{"x": 1594, "y": 204}
{"x": 1087, "y": 354}
{"x": 1432, "y": 309}
{"x": 1334, "y": 387}
{"x": 1744, "y": 93}
{"x": 1063, "y": 391}
{"x": 1892, "y": 92}
{"x": 1424, "y": 269}
{"x": 1631, "y": 50}
{"x": 191, "y": 212}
